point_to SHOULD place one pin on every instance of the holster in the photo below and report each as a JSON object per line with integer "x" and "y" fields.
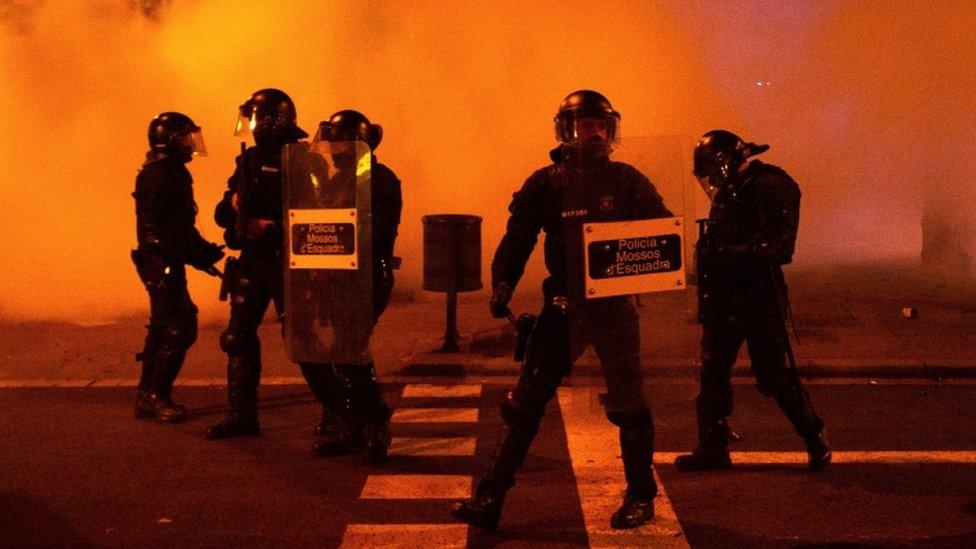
{"x": 151, "y": 268}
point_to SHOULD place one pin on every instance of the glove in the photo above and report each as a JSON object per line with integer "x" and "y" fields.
{"x": 499, "y": 301}
{"x": 208, "y": 255}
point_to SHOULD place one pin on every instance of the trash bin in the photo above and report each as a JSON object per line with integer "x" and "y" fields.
{"x": 452, "y": 253}
{"x": 452, "y": 263}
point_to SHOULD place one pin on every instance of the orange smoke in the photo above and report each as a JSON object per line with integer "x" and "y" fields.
{"x": 857, "y": 105}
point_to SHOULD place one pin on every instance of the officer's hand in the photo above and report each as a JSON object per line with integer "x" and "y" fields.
{"x": 499, "y": 301}
{"x": 210, "y": 254}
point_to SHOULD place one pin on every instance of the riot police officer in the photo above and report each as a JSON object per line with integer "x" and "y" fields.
{"x": 582, "y": 185}
{"x": 168, "y": 240}
{"x": 251, "y": 214}
{"x": 750, "y": 233}
{"x": 354, "y": 413}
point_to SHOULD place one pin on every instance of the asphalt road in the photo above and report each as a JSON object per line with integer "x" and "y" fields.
{"x": 77, "y": 470}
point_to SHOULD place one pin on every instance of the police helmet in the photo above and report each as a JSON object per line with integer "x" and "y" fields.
{"x": 585, "y": 104}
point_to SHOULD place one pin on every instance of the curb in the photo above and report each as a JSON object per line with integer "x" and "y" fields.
{"x": 457, "y": 365}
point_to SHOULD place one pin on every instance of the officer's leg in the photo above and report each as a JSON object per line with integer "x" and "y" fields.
{"x": 321, "y": 380}
{"x": 176, "y": 339}
{"x": 548, "y": 358}
{"x": 148, "y": 359}
{"x": 174, "y": 323}
{"x": 778, "y": 379}
{"x": 360, "y": 414}
{"x": 240, "y": 342}
{"x": 613, "y": 327}
{"x": 721, "y": 340}
{"x": 382, "y": 286}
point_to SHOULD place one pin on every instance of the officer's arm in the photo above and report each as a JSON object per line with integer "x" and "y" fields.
{"x": 647, "y": 201}
{"x": 225, "y": 214}
{"x": 150, "y": 198}
{"x": 778, "y": 208}
{"x": 387, "y": 206}
{"x": 522, "y": 231}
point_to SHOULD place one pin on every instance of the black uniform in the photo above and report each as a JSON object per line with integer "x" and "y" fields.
{"x": 259, "y": 278}
{"x": 750, "y": 233}
{"x": 558, "y": 199}
{"x": 168, "y": 240}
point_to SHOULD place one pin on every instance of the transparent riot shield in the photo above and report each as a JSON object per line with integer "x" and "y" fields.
{"x": 328, "y": 268}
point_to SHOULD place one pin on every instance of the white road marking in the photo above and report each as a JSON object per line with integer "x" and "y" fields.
{"x": 203, "y": 382}
{"x": 435, "y": 415}
{"x": 594, "y": 449}
{"x": 109, "y": 382}
{"x": 433, "y": 446}
{"x": 280, "y": 380}
{"x": 405, "y": 535}
{"x": 426, "y": 390}
{"x": 893, "y": 457}
{"x": 417, "y": 487}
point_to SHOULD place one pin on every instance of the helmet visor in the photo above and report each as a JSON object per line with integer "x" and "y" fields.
{"x": 708, "y": 185}
{"x": 194, "y": 141}
{"x": 246, "y": 122}
{"x": 578, "y": 131}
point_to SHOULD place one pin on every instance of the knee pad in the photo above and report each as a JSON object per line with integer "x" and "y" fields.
{"x": 181, "y": 336}
{"x": 631, "y": 419}
{"x": 236, "y": 343}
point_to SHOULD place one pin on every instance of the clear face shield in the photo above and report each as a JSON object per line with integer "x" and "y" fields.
{"x": 193, "y": 142}
{"x": 247, "y": 120}
{"x": 707, "y": 185}
{"x": 587, "y": 131}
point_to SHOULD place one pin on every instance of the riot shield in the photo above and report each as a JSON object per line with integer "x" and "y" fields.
{"x": 328, "y": 268}
{"x": 666, "y": 160}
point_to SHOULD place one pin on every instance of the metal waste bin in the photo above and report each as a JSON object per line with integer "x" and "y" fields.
{"x": 452, "y": 263}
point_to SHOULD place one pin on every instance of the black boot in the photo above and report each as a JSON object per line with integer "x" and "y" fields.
{"x": 712, "y": 452}
{"x": 485, "y": 509}
{"x": 164, "y": 408}
{"x": 376, "y": 431}
{"x": 143, "y": 410}
{"x": 242, "y": 393}
{"x": 795, "y": 403}
{"x": 818, "y": 452}
{"x": 341, "y": 429}
{"x": 377, "y": 435}
{"x": 339, "y": 436}
{"x": 637, "y": 453}
{"x": 146, "y": 357}
{"x": 321, "y": 380}
{"x": 632, "y": 513}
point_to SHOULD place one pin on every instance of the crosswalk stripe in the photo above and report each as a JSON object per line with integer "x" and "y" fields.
{"x": 416, "y": 487}
{"x": 594, "y": 450}
{"x": 435, "y": 415}
{"x": 885, "y": 456}
{"x": 281, "y": 380}
{"x": 405, "y": 535}
{"x": 426, "y": 390}
{"x": 433, "y": 446}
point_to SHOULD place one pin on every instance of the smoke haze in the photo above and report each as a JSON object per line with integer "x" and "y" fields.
{"x": 869, "y": 105}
